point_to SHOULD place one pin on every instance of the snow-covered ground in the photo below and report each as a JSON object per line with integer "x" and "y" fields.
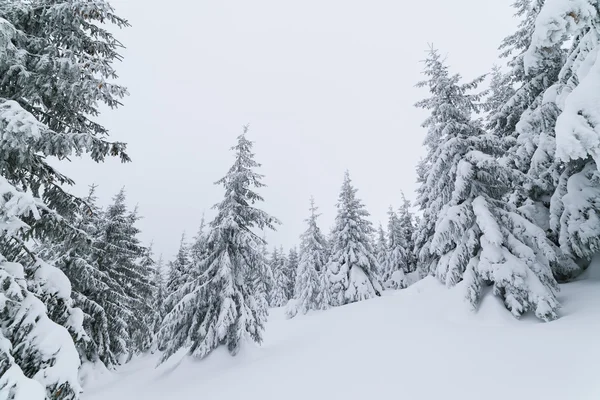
{"x": 419, "y": 343}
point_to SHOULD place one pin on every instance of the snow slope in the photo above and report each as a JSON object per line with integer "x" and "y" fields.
{"x": 418, "y": 343}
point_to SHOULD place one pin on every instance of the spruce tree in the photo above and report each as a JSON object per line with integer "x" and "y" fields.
{"x": 180, "y": 270}
{"x": 477, "y": 237}
{"x": 278, "y": 296}
{"x": 224, "y": 305}
{"x": 397, "y": 257}
{"x": 158, "y": 303}
{"x": 92, "y": 288}
{"x": 406, "y": 221}
{"x": 381, "y": 253}
{"x": 46, "y": 111}
{"x": 130, "y": 301}
{"x": 574, "y": 213}
{"x": 526, "y": 120}
{"x": 311, "y": 286}
{"x": 292, "y": 268}
{"x": 352, "y": 268}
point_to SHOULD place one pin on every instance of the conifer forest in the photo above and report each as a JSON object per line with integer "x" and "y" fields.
{"x": 457, "y": 257}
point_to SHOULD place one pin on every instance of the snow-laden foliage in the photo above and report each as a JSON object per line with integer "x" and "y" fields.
{"x": 312, "y": 288}
{"x": 574, "y": 24}
{"x": 450, "y": 106}
{"x": 224, "y": 305}
{"x": 478, "y": 237}
{"x": 130, "y": 303}
{"x": 381, "y": 253}
{"x": 292, "y": 268}
{"x": 352, "y": 268}
{"x": 398, "y": 255}
{"x": 160, "y": 288}
{"x": 279, "y": 293}
{"x": 180, "y": 273}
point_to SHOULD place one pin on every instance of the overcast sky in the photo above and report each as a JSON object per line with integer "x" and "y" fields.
{"x": 326, "y": 85}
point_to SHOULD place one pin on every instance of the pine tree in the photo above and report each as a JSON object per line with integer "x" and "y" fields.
{"x": 198, "y": 249}
{"x": 179, "y": 271}
{"x": 407, "y": 227}
{"x": 45, "y": 113}
{"x": 478, "y": 237}
{"x": 397, "y": 257}
{"x": 278, "y": 296}
{"x": 159, "y": 295}
{"x": 292, "y": 268}
{"x": 381, "y": 253}
{"x": 352, "y": 268}
{"x": 131, "y": 299}
{"x": 311, "y": 286}
{"x": 224, "y": 305}
{"x": 527, "y": 118}
{"x": 92, "y": 288}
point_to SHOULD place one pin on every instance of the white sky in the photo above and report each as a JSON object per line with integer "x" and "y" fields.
{"x": 326, "y": 85}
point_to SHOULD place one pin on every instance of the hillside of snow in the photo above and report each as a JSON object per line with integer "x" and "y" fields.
{"x": 418, "y": 343}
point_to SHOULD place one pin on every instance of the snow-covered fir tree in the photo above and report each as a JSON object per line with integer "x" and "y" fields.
{"x": 381, "y": 253}
{"x": 311, "y": 286}
{"x": 406, "y": 220}
{"x": 38, "y": 359}
{"x": 279, "y": 296}
{"x": 160, "y": 289}
{"x": 352, "y": 268}
{"x": 477, "y": 237}
{"x": 574, "y": 209}
{"x": 93, "y": 290}
{"x": 292, "y": 268}
{"x": 223, "y": 306}
{"x": 198, "y": 248}
{"x": 120, "y": 250}
{"x": 398, "y": 254}
{"x": 179, "y": 271}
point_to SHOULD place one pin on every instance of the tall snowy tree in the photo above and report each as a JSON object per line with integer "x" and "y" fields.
{"x": 120, "y": 252}
{"x": 398, "y": 254}
{"x": 574, "y": 209}
{"x": 224, "y": 305}
{"x": 93, "y": 290}
{"x": 477, "y": 237}
{"x": 56, "y": 71}
{"x": 278, "y": 296}
{"x": 527, "y": 118}
{"x": 352, "y": 268}
{"x": 406, "y": 221}
{"x": 292, "y": 268}
{"x": 158, "y": 303}
{"x": 312, "y": 287}
{"x": 381, "y": 253}
{"x": 180, "y": 269}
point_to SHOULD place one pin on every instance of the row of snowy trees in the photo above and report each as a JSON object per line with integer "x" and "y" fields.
{"x": 72, "y": 278}
{"x": 509, "y": 187}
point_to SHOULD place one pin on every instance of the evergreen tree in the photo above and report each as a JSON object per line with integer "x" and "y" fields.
{"x": 56, "y": 66}
{"x": 159, "y": 295}
{"x": 478, "y": 237}
{"x": 180, "y": 270}
{"x": 278, "y": 296}
{"x": 407, "y": 227}
{"x": 93, "y": 290}
{"x": 574, "y": 212}
{"x": 198, "y": 249}
{"x": 352, "y": 268}
{"x": 292, "y": 268}
{"x": 381, "y": 253}
{"x": 224, "y": 305}
{"x": 311, "y": 286}
{"x": 527, "y": 117}
{"x": 120, "y": 251}
{"x": 397, "y": 257}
